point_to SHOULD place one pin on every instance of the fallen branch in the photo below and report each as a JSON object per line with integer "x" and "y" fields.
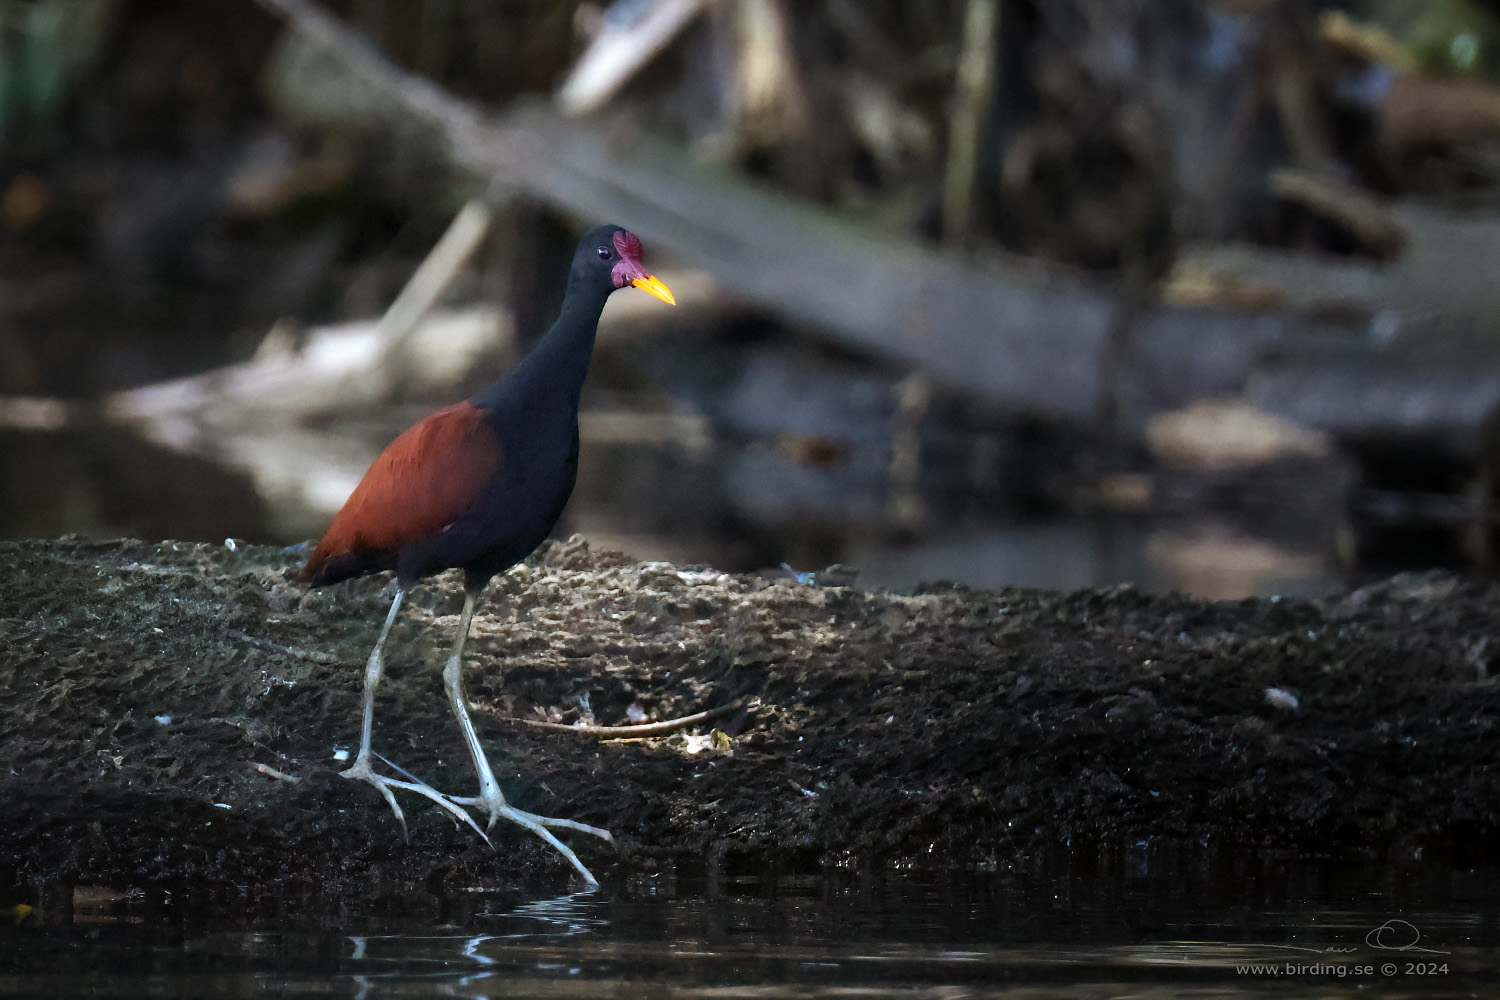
{"x": 1366, "y": 219}
{"x": 648, "y": 729}
{"x": 422, "y": 291}
{"x": 1014, "y": 335}
{"x": 622, "y": 46}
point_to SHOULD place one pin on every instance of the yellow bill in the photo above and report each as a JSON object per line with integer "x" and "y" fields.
{"x": 653, "y": 285}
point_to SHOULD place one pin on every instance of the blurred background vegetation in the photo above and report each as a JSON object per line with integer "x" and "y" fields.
{"x": 1202, "y": 294}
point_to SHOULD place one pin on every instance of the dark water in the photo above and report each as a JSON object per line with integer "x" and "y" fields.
{"x": 1143, "y": 923}
{"x": 739, "y": 508}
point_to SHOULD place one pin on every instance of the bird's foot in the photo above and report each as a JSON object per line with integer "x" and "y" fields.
{"x": 495, "y": 807}
{"x": 498, "y": 808}
{"x": 361, "y": 771}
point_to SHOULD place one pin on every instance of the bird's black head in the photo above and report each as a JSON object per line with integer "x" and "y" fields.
{"x": 610, "y": 257}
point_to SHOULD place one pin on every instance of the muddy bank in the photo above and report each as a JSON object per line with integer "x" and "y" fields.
{"x": 140, "y": 684}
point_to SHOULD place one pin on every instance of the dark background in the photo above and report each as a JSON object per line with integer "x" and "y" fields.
{"x": 171, "y": 192}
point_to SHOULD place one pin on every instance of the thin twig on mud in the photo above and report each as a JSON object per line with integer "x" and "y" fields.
{"x": 635, "y": 732}
{"x": 271, "y": 772}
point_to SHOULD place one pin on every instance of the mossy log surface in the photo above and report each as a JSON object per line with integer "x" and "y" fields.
{"x": 140, "y": 684}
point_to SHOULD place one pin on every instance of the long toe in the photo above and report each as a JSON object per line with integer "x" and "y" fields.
{"x": 566, "y": 824}
{"x": 538, "y": 825}
{"x": 361, "y": 772}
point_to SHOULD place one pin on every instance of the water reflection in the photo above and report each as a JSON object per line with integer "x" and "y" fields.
{"x": 107, "y": 482}
{"x": 737, "y": 506}
{"x": 1181, "y": 924}
{"x": 459, "y": 964}
{"x": 567, "y": 915}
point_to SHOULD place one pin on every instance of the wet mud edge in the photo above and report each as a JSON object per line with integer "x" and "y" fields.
{"x": 141, "y": 683}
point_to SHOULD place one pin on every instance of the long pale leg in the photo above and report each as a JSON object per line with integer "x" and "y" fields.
{"x": 360, "y": 770}
{"x": 490, "y": 798}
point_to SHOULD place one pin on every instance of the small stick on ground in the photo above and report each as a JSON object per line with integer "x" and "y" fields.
{"x": 271, "y": 772}
{"x": 636, "y": 732}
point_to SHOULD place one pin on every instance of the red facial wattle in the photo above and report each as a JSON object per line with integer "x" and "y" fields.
{"x": 630, "y": 271}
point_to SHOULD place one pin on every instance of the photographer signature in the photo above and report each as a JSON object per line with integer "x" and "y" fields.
{"x": 1399, "y": 935}
{"x": 1393, "y": 935}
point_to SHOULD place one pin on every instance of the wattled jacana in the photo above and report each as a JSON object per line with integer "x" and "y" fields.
{"x": 479, "y": 485}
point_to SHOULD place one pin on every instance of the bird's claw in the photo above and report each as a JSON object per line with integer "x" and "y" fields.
{"x": 510, "y": 812}
{"x": 361, "y": 771}
{"x": 495, "y": 807}
{"x": 498, "y": 808}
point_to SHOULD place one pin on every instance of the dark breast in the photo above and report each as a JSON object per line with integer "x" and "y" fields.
{"x": 513, "y": 512}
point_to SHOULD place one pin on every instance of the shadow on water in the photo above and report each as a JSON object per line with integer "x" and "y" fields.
{"x": 1150, "y": 921}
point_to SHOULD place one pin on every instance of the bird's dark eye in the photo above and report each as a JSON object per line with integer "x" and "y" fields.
{"x": 605, "y": 253}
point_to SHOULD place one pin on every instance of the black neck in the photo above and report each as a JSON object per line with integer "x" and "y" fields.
{"x": 555, "y": 369}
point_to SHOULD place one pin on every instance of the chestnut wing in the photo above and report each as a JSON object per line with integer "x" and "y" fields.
{"x": 424, "y": 481}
